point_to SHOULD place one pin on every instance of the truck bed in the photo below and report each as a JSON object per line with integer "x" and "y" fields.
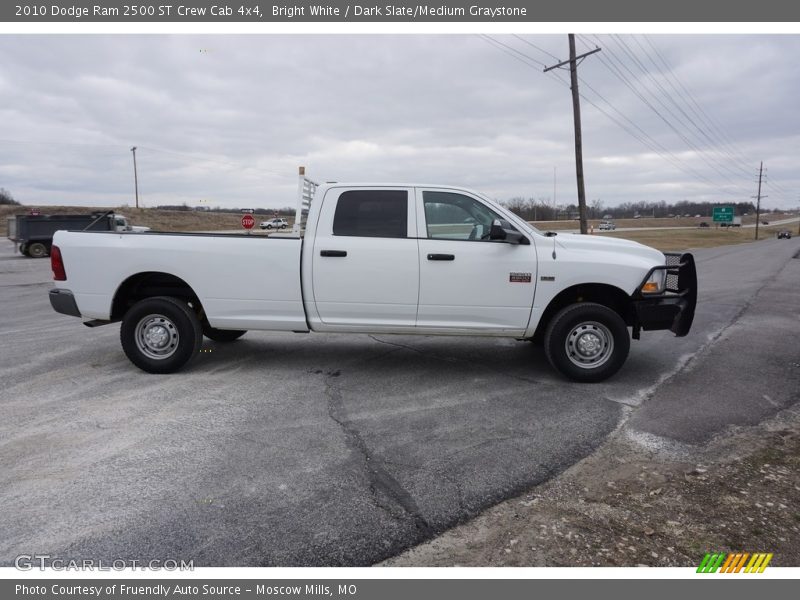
{"x": 242, "y": 281}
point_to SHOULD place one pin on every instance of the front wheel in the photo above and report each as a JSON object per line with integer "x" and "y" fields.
{"x": 160, "y": 334}
{"x": 587, "y": 342}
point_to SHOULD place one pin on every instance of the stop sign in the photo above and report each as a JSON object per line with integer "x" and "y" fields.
{"x": 248, "y": 221}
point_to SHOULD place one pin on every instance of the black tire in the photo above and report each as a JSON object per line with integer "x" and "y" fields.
{"x": 175, "y": 319}
{"x": 221, "y": 335}
{"x": 37, "y": 250}
{"x": 23, "y": 249}
{"x": 598, "y": 330}
{"x": 283, "y": 226}
{"x": 269, "y": 226}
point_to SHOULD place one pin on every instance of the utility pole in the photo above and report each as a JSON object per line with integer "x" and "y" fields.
{"x": 758, "y": 201}
{"x": 135, "y": 176}
{"x": 576, "y": 114}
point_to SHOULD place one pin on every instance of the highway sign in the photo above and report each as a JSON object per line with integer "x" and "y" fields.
{"x": 248, "y": 221}
{"x": 722, "y": 214}
{"x": 248, "y": 210}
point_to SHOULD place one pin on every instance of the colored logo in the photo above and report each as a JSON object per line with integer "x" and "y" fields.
{"x": 734, "y": 562}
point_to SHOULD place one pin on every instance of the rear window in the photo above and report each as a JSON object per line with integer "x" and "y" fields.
{"x": 372, "y": 213}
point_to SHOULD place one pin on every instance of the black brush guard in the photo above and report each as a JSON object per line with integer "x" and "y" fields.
{"x": 673, "y": 308}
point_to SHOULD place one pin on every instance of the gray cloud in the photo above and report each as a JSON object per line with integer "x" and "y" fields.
{"x": 226, "y": 120}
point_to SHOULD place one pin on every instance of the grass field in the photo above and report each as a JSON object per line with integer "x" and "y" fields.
{"x": 668, "y": 239}
{"x": 158, "y": 220}
{"x": 649, "y": 222}
{"x": 683, "y": 239}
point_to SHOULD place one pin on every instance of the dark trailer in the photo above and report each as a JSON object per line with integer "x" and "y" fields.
{"x": 34, "y": 234}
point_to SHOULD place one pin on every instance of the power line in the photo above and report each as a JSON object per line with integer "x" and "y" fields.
{"x": 700, "y": 127}
{"x": 726, "y": 139}
{"x": 526, "y": 60}
{"x": 520, "y": 56}
{"x": 615, "y": 66}
{"x": 722, "y": 138}
{"x": 531, "y": 44}
{"x": 711, "y": 161}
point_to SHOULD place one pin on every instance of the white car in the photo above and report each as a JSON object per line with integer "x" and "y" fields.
{"x": 274, "y": 224}
{"x": 407, "y": 259}
{"x": 606, "y": 226}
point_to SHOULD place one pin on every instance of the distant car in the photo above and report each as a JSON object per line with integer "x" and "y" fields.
{"x": 606, "y": 226}
{"x": 703, "y": 224}
{"x": 696, "y": 216}
{"x": 784, "y": 234}
{"x": 274, "y": 224}
{"x": 765, "y": 222}
{"x": 608, "y": 216}
{"x": 637, "y": 216}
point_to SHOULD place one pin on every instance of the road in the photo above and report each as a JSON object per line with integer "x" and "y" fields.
{"x": 289, "y": 449}
{"x": 787, "y": 222}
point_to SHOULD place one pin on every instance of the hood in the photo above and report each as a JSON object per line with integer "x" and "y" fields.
{"x": 600, "y": 243}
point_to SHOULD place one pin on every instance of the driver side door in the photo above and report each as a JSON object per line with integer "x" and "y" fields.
{"x": 469, "y": 283}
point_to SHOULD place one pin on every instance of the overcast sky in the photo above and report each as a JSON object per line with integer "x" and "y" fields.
{"x": 226, "y": 120}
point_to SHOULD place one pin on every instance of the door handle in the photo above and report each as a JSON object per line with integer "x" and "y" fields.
{"x": 333, "y": 253}
{"x": 441, "y": 256}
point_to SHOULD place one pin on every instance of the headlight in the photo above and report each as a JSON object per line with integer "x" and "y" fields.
{"x": 655, "y": 283}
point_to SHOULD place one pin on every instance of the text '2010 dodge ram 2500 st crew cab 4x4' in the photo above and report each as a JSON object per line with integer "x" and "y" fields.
{"x": 401, "y": 259}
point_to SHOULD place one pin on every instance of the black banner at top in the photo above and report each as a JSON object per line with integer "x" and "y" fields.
{"x": 397, "y": 11}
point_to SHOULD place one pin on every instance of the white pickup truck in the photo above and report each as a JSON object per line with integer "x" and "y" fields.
{"x": 387, "y": 259}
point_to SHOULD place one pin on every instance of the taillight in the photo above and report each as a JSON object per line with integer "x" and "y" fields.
{"x": 57, "y": 264}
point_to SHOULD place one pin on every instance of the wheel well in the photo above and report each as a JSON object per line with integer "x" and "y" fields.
{"x": 607, "y": 295}
{"x": 148, "y": 284}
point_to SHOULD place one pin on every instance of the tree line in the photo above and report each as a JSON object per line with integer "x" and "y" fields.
{"x": 541, "y": 209}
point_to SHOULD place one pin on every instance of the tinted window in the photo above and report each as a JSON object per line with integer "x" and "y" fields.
{"x": 372, "y": 213}
{"x": 451, "y": 216}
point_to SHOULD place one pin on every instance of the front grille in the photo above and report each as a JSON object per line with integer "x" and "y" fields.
{"x": 673, "y": 261}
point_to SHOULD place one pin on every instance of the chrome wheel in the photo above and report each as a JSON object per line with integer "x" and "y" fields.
{"x": 589, "y": 345}
{"x": 157, "y": 337}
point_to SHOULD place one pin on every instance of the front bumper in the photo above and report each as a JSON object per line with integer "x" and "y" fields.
{"x": 63, "y": 302}
{"x": 674, "y": 308}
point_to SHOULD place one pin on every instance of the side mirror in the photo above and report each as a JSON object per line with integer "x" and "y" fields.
{"x": 497, "y": 232}
{"x": 502, "y": 232}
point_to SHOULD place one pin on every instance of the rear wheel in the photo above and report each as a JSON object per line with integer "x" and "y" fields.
{"x": 221, "y": 335}
{"x": 160, "y": 334}
{"x": 37, "y": 250}
{"x": 587, "y": 342}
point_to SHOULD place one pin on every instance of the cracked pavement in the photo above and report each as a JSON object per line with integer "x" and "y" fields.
{"x": 288, "y": 449}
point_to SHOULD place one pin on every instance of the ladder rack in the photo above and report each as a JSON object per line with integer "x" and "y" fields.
{"x": 306, "y": 189}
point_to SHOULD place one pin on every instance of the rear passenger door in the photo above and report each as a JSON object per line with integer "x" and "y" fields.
{"x": 365, "y": 266}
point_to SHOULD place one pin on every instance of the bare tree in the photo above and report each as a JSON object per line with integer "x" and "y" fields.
{"x": 7, "y": 198}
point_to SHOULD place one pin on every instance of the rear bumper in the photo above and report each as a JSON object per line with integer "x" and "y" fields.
{"x": 63, "y": 302}
{"x": 673, "y": 309}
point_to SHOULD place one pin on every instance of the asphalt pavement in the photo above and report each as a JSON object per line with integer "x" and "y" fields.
{"x": 311, "y": 449}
